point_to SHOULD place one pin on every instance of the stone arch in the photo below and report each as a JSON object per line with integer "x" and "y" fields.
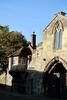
{"x": 55, "y": 75}
{"x": 58, "y": 23}
{"x": 55, "y": 61}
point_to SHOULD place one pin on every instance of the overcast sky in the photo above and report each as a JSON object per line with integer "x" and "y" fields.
{"x": 27, "y": 16}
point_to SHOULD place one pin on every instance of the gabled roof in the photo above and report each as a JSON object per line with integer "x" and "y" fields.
{"x": 16, "y": 53}
{"x": 22, "y": 52}
{"x": 56, "y": 15}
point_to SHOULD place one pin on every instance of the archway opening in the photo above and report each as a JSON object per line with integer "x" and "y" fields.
{"x": 55, "y": 80}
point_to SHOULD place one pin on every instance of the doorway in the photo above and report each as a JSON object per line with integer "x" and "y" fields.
{"x": 56, "y": 80}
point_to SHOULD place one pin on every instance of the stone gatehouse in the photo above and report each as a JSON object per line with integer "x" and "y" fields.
{"x": 42, "y": 69}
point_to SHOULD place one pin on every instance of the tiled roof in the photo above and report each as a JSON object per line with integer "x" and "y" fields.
{"x": 22, "y": 51}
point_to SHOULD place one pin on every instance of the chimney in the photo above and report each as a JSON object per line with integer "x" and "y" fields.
{"x": 62, "y": 13}
{"x": 33, "y": 42}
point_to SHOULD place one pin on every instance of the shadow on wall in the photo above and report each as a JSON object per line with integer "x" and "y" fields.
{"x": 29, "y": 82}
{"x": 40, "y": 83}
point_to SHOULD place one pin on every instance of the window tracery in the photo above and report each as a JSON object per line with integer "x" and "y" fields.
{"x": 58, "y": 32}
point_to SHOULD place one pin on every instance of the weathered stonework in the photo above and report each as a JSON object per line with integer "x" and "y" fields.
{"x": 6, "y": 79}
{"x": 46, "y": 71}
{"x": 46, "y": 51}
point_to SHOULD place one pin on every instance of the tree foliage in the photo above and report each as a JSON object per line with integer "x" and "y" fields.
{"x": 9, "y": 42}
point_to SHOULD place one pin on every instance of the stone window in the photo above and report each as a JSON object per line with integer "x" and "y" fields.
{"x": 9, "y": 64}
{"x": 58, "y": 36}
{"x": 56, "y": 40}
{"x": 24, "y": 60}
{"x": 29, "y": 58}
{"x": 60, "y": 39}
{"x": 15, "y": 60}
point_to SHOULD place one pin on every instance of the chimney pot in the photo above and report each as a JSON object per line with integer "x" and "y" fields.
{"x": 62, "y": 13}
{"x": 33, "y": 43}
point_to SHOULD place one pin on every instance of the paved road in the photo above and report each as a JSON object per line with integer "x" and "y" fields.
{"x": 10, "y": 96}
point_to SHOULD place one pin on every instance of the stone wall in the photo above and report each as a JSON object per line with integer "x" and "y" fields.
{"x": 34, "y": 83}
{"x": 6, "y": 79}
{"x": 46, "y": 51}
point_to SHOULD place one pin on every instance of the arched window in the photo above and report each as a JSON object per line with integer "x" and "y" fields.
{"x": 56, "y": 39}
{"x": 60, "y": 39}
{"x": 58, "y": 36}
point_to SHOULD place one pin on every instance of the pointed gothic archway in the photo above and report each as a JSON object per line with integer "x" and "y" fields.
{"x": 55, "y": 77}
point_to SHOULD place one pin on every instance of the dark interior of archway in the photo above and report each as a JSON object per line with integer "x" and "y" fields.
{"x": 59, "y": 68}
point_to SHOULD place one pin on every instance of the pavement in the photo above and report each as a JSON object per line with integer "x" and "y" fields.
{"x": 13, "y": 96}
